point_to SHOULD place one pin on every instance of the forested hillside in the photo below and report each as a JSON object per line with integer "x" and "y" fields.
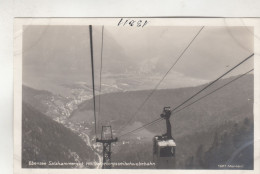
{"x": 45, "y": 140}
{"x": 225, "y": 117}
{"x": 234, "y": 102}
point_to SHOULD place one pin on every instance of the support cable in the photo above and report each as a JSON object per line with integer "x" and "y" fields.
{"x": 159, "y": 119}
{"x": 148, "y": 124}
{"x": 213, "y": 91}
{"x": 213, "y": 82}
{"x": 100, "y": 74}
{"x": 93, "y": 79}
{"x": 158, "y": 84}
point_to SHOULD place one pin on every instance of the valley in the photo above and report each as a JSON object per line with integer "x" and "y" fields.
{"x": 194, "y": 128}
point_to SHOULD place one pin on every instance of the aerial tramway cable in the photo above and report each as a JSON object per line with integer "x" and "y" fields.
{"x": 158, "y": 84}
{"x": 213, "y": 82}
{"x": 148, "y": 124}
{"x": 213, "y": 91}
{"x": 159, "y": 119}
{"x": 93, "y": 79}
{"x": 100, "y": 74}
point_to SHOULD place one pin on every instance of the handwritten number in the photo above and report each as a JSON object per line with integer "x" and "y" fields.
{"x": 139, "y": 23}
{"x": 145, "y": 23}
{"x": 119, "y": 22}
{"x": 132, "y": 23}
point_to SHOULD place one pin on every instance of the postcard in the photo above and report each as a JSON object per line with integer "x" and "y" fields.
{"x": 149, "y": 94}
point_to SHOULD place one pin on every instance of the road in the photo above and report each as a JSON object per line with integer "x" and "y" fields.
{"x": 88, "y": 142}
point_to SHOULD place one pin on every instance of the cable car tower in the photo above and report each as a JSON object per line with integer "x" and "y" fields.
{"x": 164, "y": 145}
{"x": 106, "y": 140}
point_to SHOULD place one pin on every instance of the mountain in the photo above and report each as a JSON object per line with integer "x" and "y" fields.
{"x": 231, "y": 148}
{"x": 192, "y": 127}
{"x": 44, "y": 140}
{"x": 200, "y": 130}
{"x": 37, "y": 98}
{"x": 118, "y": 109}
{"x": 229, "y": 144}
{"x": 52, "y": 105}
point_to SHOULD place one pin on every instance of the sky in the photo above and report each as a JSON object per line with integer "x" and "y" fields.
{"x": 57, "y": 55}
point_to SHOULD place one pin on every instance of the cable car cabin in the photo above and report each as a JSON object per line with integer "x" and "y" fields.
{"x": 164, "y": 152}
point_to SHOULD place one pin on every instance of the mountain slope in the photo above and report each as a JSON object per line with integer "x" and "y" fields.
{"x": 192, "y": 128}
{"x": 52, "y": 105}
{"x": 36, "y": 98}
{"x": 45, "y": 140}
{"x": 235, "y": 100}
{"x": 228, "y": 144}
{"x": 231, "y": 148}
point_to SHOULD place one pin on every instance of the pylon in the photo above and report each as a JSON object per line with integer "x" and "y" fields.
{"x": 106, "y": 140}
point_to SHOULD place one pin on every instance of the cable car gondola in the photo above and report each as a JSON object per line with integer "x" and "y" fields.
{"x": 164, "y": 146}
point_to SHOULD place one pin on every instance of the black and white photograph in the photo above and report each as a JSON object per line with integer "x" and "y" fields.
{"x": 134, "y": 95}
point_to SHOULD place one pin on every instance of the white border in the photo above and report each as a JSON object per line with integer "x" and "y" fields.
{"x": 113, "y": 22}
